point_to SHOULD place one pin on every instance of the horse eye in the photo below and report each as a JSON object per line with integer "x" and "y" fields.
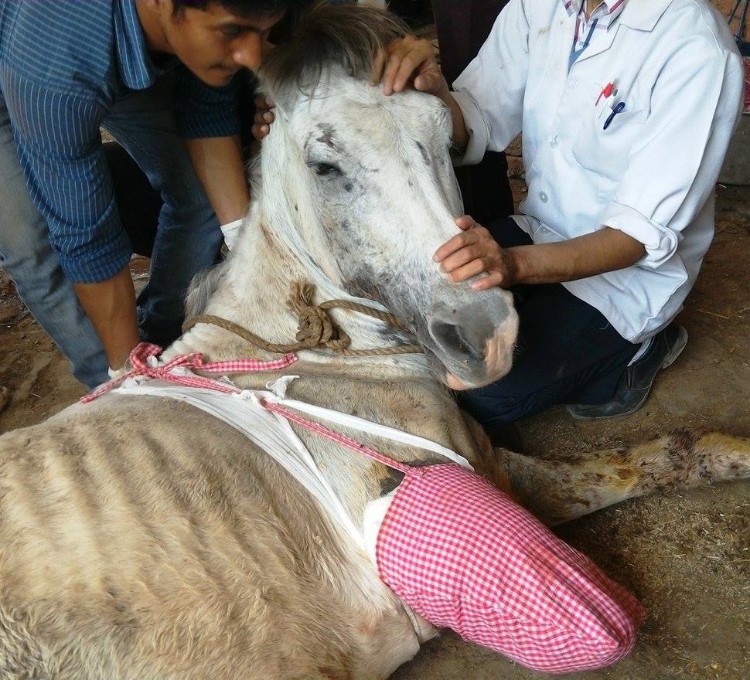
{"x": 326, "y": 169}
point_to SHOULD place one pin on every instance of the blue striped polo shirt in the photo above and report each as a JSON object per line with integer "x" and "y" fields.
{"x": 63, "y": 65}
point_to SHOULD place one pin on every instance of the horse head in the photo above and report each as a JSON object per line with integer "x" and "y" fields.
{"x": 364, "y": 183}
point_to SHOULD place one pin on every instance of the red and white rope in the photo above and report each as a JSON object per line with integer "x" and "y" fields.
{"x": 144, "y": 362}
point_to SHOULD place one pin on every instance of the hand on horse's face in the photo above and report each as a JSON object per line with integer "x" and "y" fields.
{"x": 474, "y": 252}
{"x": 409, "y": 60}
{"x": 263, "y": 117}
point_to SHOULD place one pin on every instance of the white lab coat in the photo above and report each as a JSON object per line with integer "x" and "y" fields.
{"x": 651, "y": 173}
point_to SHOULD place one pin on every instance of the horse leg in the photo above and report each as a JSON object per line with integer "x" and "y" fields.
{"x": 561, "y": 490}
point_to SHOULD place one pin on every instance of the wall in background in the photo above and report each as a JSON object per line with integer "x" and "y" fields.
{"x": 726, "y": 7}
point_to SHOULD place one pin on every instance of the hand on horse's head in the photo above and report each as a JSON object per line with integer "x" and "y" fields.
{"x": 404, "y": 61}
{"x": 409, "y": 60}
{"x": 474, "y": 252}
{"x": 263, "y": 117}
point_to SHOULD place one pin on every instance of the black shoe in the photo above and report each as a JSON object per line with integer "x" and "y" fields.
{"x": 635, "y": 384}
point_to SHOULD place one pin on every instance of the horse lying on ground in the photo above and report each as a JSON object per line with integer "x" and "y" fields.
{"x": 145, "y": 538}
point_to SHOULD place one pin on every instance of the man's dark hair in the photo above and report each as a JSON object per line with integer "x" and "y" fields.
{"x": 247, "y": 8}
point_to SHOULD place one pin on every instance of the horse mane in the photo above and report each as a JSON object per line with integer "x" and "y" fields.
{"x": 202, "y": 286}
{"x": 330, "y": 35}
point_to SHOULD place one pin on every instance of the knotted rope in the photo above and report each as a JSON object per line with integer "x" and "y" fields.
{"x": 316, "y": 328}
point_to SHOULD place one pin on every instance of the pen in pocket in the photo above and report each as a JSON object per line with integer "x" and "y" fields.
{"x": 618, "y": 108}
{"x": 607, "y": 91}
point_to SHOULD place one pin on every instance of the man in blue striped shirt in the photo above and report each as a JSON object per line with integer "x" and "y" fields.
{"x": 154, "y": 73}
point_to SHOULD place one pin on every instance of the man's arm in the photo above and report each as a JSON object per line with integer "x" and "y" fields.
{"x": 671, "y": 172}
{"x": 475, "y": 251}
{"x": 487, "y": 105}
{"x": 110, "y": 306}
{"x": 219, "y": 165}
{"x": 209, "y": 120}
{"x": 64, "y": 165}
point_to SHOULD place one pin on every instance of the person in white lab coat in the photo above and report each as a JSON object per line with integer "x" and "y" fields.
{"x": 627, "y": 108}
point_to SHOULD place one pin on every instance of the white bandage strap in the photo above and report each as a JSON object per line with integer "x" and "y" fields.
{"x": 274, "y": 435}
{"x": 231, "y": 231}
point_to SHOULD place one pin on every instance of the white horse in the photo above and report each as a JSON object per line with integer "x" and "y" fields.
{"x": 141, "y": 537}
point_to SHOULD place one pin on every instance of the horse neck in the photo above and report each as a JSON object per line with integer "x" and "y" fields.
{"x": 253, "y": 293}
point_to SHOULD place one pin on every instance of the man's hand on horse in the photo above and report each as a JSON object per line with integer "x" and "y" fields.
{"x": 474, "y": 252}
{"x": 409, "y": 60}
{"x": 263, "y": 117}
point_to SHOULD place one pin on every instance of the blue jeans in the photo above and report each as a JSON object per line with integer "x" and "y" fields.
{"x": 188, "y": 238}
{"x": 567, "y": 352}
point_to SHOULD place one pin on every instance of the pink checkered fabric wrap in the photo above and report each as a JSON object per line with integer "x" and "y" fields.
{"x": 465, "y": 556}
{"x": 139, "y": 362}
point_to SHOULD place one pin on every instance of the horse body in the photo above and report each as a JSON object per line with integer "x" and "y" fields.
{"x": 148, "y": 540}
{"x": 143, "y": 538}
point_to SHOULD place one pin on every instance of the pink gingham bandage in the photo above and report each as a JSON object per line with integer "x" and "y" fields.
{"x": 464, "y": 556}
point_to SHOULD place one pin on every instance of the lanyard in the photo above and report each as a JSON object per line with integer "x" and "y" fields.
{"x": 574, "y": 53}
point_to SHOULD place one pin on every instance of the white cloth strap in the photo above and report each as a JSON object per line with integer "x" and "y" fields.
{"x": 274, "y": 435}
{"x": 271, "y": 432}
{"x": 231, "y": 230}
{"x": 362, "y": 425}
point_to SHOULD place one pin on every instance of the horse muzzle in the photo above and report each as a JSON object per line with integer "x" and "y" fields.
{"x": 473, "y": 343}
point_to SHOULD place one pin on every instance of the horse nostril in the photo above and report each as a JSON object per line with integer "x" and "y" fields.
{"x": 455, "y": 339}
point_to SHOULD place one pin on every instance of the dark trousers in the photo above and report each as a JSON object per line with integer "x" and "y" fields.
{"x": 137, "y": 201}
{"x": 462, "y": 27}
{"x": 567, "y": 352}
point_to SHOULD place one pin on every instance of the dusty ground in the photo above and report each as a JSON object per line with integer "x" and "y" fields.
{"x": 687, "y": 555}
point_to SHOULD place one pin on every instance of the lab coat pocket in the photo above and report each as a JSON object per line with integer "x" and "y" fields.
{"x": 606, "y": 151}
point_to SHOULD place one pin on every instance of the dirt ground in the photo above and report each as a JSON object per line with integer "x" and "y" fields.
{"x": 686, "y": 554}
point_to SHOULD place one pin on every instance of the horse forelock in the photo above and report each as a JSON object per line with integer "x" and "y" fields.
{"x": 345, "y": 36}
